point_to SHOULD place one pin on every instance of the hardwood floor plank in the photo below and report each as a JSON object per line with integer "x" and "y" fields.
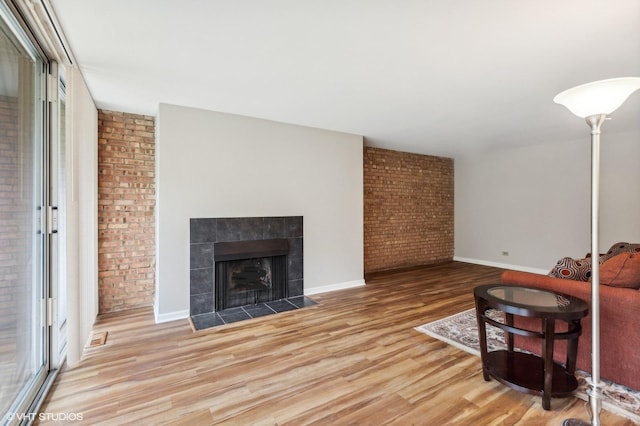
{"x": 354, "y": 358}
{"x": 201, "y": 417}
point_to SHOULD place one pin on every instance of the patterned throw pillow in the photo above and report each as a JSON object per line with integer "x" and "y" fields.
{"x": 580, "y": 269}
{"x": 618, "y": 248}
{"x": 572, "y": 269}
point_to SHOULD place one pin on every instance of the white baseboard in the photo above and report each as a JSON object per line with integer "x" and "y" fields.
{"x": 502, "y": 265}
{"x": 333, "y": 287}
{"x": 169, "y": 316}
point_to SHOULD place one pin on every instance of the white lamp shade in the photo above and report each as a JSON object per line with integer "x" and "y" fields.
{"x": 599, "y": 97}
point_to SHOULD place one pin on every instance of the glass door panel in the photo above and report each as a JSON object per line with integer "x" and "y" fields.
{"x": 57, "y": 239}
{"x": 23, "y": 291}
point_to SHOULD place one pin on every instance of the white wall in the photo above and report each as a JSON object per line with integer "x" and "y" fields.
{"x": 82, "y": 215}
{"x": 212, "y": 164}
{"x": 534, "y": 202}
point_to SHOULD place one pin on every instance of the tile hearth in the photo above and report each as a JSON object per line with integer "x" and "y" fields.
{"x": 227, "y": 316}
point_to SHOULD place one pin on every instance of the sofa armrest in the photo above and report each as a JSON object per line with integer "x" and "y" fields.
{"x": 623, "y": 298}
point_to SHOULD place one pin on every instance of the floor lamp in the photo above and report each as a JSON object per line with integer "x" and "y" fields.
{"x": 594, "y": 102}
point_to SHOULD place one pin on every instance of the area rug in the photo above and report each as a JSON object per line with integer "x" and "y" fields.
{"x": 461, "y": 330}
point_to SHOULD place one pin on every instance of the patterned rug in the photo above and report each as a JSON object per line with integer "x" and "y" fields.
{"x": 461, "y": 331}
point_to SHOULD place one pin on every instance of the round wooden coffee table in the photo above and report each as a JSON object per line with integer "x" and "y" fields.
{"x": 538, "y": 375}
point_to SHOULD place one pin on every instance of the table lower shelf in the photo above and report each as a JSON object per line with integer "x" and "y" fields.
{"x": 525, "y": 373}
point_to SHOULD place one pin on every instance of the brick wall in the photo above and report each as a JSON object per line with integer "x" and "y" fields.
{"x": 126, "y": 204}
{"x": 408, "y": 209}
{"x": 13, "y": 234}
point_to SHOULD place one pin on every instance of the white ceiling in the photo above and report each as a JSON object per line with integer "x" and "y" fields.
{"x": 438, "y": 77}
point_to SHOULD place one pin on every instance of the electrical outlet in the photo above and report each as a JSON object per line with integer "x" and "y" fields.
{"x": 505, "y": 253}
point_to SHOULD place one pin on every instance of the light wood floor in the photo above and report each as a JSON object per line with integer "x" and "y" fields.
{"x": 352, "y": 359}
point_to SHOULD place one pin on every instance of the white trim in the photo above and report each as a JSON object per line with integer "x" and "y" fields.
{"x": 502, "y": 265}
{"x": 169, "y": 316}
{"x": 333, "y": 287}
{"x": 42, "y": 21}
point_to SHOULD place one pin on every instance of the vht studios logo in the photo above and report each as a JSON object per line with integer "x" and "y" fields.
{"x": 71, "y": 417}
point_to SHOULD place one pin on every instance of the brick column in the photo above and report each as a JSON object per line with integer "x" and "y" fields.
{"x": 126, "y": 210}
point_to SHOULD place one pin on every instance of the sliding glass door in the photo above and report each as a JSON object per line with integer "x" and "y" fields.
{"x": 24, "y": 344}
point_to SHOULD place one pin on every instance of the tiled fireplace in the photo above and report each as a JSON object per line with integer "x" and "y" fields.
{"x": 244, "y": 261}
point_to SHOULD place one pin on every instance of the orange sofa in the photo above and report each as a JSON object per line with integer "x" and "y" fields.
{"x": 619, "y": 325}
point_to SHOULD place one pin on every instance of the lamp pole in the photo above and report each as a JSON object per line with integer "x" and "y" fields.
{"x": 595, "y": 385}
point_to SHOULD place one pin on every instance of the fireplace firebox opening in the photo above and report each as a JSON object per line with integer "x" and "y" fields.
{"x": 250, "y": 281}
{"x": 250, "y": 272}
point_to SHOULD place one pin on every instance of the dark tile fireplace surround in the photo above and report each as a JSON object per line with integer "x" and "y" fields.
{"x": 210, "y": 236}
